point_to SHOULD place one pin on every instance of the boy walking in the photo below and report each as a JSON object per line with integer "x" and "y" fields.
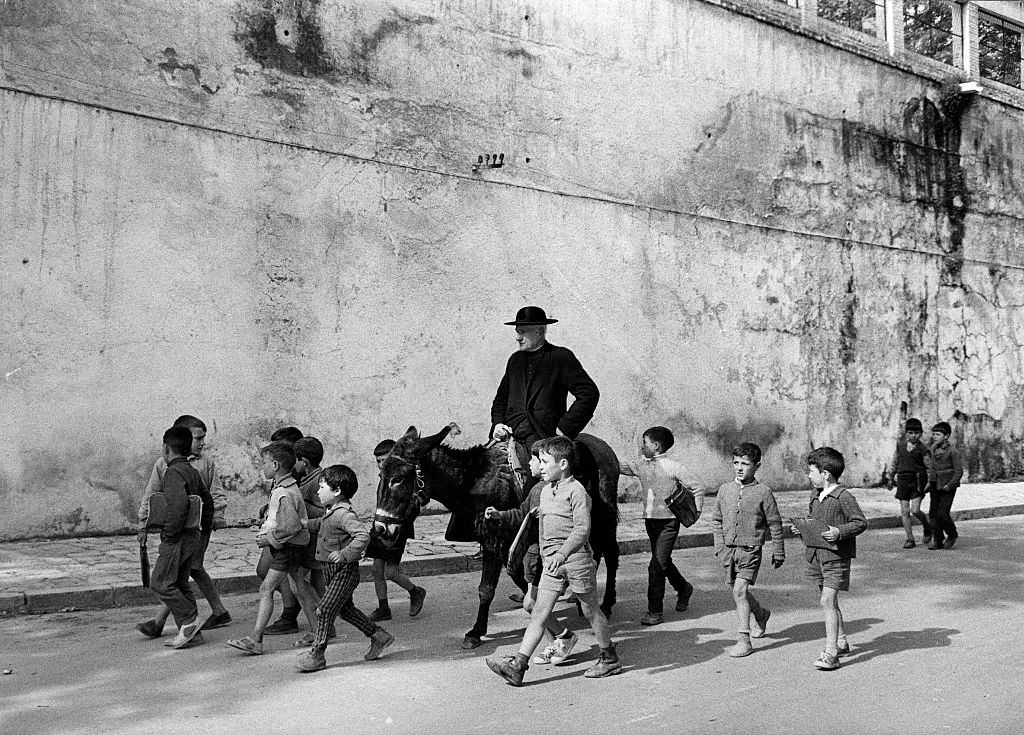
{"x": 659, "y": 477}
{"x": 341, "y": 539}
{"x": 910, "y": 475}
{"x": 284, "y": 534}
{"x": 563, "y": 640}
{"x": 214, "y": 502}
{"x": 387, "y": 562}
{"x": 568, "y": 562}
{"x": 944, "y": 477}
{"x": 828, "y": 565}
{"x": 178, "y": 541}
{"x": 745, "y": 514}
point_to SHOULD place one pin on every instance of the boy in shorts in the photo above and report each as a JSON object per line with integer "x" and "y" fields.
{"x": 909, "y": 468}
{"x": 286, "y": 536}
{"x": 745, "y": 514}
{"x": 568, "y": 562}
{"x": 829, "y": 568}
{"x": 563, "y": 640}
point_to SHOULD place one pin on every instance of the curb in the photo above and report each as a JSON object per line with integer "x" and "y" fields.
{"x": 62, "y": 598}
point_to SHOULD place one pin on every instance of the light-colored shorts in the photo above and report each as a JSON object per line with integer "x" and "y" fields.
{"x": 834, "y": 574}
{"x": 741, "y": 562}
{"x": 579, "y": 573}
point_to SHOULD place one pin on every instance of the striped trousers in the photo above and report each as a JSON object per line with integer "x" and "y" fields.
{"x": 342, "y": 580}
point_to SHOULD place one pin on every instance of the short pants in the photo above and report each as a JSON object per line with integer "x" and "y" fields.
{"x": 579, "y": 573}
{"x": 391, "y": 554}
{"x": 834, "y": 574}
{"x": 910, "y": 485}
{"x": 309, "y": 554}
{"x": 741, "y": 562}
{"x": 288, "y": 558}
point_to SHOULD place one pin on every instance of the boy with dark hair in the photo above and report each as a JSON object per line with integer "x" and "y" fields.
{"x": 568, "y": 561}
{"x": 659, "y": 476}
{"x": 745, "y": 514}
{"x": 944, "y": 477}
{"x": 341, "y": 538}
{"x": 178, "y": 541}
{"x": 828, "y": 564}
{"x": 309, "y": 453}
{"x": 214, "y": 502}
{"x": 909, "y": 467}
{"x": 563, "y": 640}
{"x": 286, "y": 536}
{"x": 289, "y": 620}
{"x": 387, "y": 561}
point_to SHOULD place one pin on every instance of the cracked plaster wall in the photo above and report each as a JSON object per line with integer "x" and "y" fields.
{"x": 163, "y": 252}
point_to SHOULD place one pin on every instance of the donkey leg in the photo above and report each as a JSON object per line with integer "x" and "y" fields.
{"x": 611, "y": 566}
{"x": 488, "y": 583}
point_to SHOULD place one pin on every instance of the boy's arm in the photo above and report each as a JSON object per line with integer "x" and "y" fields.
{"x": 774, "y": 518}
{"x": 856, "y": 523}
{"x": 628, "y": 468}
{"x": 220, "y": 497}
{"x": 892, "y": 465}
{"x": 581, "y": 506}
{"x": 312, "y": 523}
{"x": 717, "y": 530}
{"x": 958, "y": 471}
{"x": 152, "y": 487}
{"x": 360, "y": 537}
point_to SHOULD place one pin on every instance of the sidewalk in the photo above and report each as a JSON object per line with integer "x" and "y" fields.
{"x": 99, "y": 572}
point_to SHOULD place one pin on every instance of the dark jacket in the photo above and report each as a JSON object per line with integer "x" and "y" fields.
{"x": 746, "y": 516}
{"x": 946, "y": 469}
{"x": 840, "y": 510}
{"x": 179, "y": 481}
{"x": 536, "y": 407}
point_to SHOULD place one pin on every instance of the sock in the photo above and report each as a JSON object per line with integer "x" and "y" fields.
{"x": 742, "y": 636}
{"x": 523, "y": 660}
{"x": 383, "y": 605}
{"x": 291, "y": 613}
{"x": 610, "y": 653}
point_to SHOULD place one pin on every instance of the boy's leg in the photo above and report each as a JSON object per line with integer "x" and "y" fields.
{"x": 393, "y": 572}
{"x": 170, "y": 580}
{"x": 915, "y": 511}
{"x": 592, "y": 611}
{"x": 934, "y": 501}
{"x": 542, "y": 608}
{"x": 740, "y": 597}
{"x": 339, "y": 585}
{"x": 946, "y": 518}
{"x": 380, "y": 586}
{"x": 905, "y": 518}
{"x": 655, "y": 573}
{"x": 830, "y": 605}
{"x": 205, "y": 584}
{"x": 270, "y": 583}
{"x": 308, "y": 597}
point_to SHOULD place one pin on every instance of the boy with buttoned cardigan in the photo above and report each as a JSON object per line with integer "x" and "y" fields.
{"x": 341, "y": 540}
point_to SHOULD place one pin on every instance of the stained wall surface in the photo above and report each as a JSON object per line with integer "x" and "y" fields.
{"x": 266, "y": 213}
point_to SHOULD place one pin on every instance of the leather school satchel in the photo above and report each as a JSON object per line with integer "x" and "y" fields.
{"x": 683, "y": 505}
{"x": 158, "y": 512}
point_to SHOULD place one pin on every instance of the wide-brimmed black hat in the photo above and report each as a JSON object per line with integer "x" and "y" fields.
{"x": 530, "y": 316}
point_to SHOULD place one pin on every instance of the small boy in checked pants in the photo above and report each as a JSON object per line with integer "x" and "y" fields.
{"x": 341, "y": 541}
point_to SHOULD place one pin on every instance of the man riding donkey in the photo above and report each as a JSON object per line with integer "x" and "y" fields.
{"x": 530, "y": 405}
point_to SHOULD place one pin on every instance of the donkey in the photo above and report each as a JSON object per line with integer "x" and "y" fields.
{"x": 467, "y": 481}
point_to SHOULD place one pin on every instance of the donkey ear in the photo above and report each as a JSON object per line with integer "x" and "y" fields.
{"x": 412, "y": 434}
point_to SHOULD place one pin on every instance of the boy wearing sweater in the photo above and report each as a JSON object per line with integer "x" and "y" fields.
{"x": 745, "y": 514}
{"x": 909, "y": 467}
{"x": 568, "y": 562}
{"x": 341, "y": 539}
{"x": 283, "y": 532}
{"x": 829, "y": 568}
{"x": 944, "y": 475}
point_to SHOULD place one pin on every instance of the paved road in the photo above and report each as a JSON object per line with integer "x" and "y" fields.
{"x": 936, "y": 648}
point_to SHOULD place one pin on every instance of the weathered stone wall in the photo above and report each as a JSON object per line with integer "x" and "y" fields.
{"x": 265, "y": 213}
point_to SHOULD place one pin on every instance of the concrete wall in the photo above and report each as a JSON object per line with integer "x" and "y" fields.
{"x": 265, "y": 213}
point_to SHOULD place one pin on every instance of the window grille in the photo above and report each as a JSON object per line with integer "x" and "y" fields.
{"x": 933, "y": 28}
{"x": 999, "y": 50}
{"x": 866, "y": 16}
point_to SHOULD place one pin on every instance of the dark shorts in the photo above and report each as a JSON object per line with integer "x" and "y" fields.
{"x": 309, "y": 557}
{"x": 200, "y": 555}
{"x": 741, "y": 562}
{"x": 909, "y": 486}
{"x": 834, "y": 574}
{"x": 288, "y": 558}
{"x": 389, "y": 555}
{"x": 532, "y": 567}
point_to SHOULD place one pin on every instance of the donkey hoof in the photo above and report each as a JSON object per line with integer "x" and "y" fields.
{"x": 470, "y": 642}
